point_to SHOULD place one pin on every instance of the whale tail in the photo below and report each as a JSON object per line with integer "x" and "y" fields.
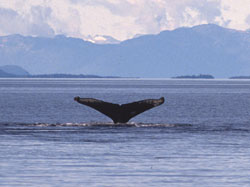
{"x": 120, "y": 113}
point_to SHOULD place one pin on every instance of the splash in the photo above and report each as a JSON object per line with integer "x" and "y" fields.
{"x": 95, "y": 124}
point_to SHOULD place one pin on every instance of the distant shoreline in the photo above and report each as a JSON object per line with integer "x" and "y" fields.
{"x": 57, "y": 76}
{"x": 125, "y": 78}
{"x": 61, "y": 75}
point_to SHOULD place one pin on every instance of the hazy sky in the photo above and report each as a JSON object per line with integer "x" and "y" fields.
{"x": 121, "y": 19}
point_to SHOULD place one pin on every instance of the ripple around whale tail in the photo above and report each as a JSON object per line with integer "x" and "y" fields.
{"x": 95, "y": 124}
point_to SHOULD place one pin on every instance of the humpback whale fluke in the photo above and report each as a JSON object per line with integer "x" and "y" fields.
{"x": 120, "y": 113}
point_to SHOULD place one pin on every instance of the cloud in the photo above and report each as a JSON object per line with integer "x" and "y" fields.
{"x": 34, "y": 23}
{"x": 121, "y": 19}
{"x": 39, "y": 18}
{"x": 151, "y": 16}
{"x": 248, "y": 20}
{"x": 235, "y": 13}
{"x": 190, "y": 12}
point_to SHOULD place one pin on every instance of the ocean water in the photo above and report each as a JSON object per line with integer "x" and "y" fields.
{"x": 200, "y": 136}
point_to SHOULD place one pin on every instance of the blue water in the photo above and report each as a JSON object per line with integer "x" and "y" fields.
{"x": 199, "y": 137}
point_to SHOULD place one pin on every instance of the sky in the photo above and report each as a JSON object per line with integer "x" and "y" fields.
{"x": 121, "y": 19}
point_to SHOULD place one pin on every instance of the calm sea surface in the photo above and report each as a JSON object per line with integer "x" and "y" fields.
{"x": 200, "y": 136}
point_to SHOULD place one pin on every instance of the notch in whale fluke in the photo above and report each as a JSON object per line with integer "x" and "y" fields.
{"x": 120, "y": 113}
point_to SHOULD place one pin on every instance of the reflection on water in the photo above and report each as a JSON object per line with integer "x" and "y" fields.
{"x": 199, "y": 137}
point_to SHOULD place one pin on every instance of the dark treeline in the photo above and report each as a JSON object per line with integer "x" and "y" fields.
{"x": 240, "y": 77}
{"x": 200, "y": 76}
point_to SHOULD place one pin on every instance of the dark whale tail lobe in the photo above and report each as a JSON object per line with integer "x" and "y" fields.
{"x": 120, "y": 113}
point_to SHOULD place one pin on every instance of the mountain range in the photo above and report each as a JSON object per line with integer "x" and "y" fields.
{"x": 13, "y": 71}
{"x": 203, "y": 49}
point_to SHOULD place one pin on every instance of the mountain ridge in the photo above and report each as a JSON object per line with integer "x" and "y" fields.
{"x": 203, "y": 49}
